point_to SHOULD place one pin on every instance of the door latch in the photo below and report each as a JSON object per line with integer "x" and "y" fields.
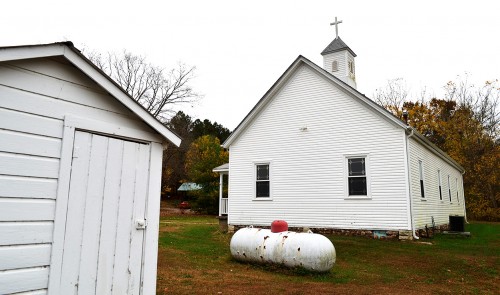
{"x": 140, "y": 224}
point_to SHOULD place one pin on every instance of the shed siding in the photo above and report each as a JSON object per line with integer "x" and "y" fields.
{"x": 23, "y": 280}
{"x": 431, "y": 206}
{"x": 35, "y": 95}
{"x": 308, "y": 183}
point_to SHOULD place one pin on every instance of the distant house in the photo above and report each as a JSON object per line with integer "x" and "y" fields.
{"x": 319, "y": 154}
{"x": 189, "y": 186}
{"x": 80, "y": 173}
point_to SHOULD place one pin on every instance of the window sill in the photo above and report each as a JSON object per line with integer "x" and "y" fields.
{"x": 262, "y": 199}
{"x": 357, "y": 198}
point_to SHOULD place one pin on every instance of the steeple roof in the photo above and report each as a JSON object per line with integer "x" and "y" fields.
{"x": 337, "y": 45}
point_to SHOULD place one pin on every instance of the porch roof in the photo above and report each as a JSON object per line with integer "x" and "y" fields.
{"x": 224, "y": 168}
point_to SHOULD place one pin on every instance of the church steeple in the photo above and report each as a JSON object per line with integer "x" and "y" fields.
{"x": 338, "y": 59}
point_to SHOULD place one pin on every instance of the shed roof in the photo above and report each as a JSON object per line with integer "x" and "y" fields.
{"x": 74, "y": 56}
{"x": 337, "y": 45}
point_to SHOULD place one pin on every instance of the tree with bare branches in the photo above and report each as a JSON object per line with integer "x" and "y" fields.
{"x": 393, "y": 95}
{"x": 155, "y": 88}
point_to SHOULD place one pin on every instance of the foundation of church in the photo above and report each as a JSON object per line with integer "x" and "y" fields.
{"x": 372, "y": 234}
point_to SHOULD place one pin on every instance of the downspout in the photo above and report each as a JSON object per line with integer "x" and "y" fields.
{"x": 409, "y": 183}
{"x": 463, "y": 198}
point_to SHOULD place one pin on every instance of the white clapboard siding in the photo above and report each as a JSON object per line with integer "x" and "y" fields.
{"x": 48, "y": 86}
{"x": 21, "y": 233}
{"x": 20, "y": 280}
{"x": 341, "y": 58}
{"x": 58, "y": 68}
{"x": 23, "y": 165}
{"x": 308, "y": 180}
{"x": 26, "y": 209}
{"x": 17, "y": 99}
{"x": 425, "y": 209}
{"x": 28, "y": 123}
{"x": 36, "y": 145}
{"x": 26, "y": 187}
{"x": 15, "y": 257}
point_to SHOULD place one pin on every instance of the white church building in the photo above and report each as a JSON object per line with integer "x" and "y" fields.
{"x": 319, "y": 154}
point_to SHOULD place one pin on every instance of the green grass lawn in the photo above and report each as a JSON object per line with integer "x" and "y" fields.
{"x": 194, "y": 258}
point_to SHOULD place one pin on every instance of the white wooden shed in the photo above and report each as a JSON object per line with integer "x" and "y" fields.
{"x": 80, "y": 171}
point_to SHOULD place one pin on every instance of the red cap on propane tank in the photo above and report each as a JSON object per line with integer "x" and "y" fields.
{"x": 278, "y": 226}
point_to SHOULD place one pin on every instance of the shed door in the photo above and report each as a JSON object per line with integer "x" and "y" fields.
{"x": 103, "y": 243}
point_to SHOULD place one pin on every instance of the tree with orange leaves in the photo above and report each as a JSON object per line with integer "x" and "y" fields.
{"x": 466, "y": 126}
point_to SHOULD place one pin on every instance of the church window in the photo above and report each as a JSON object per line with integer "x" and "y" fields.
{"x": 335, "y": 66}
{"x": 449, "y": 188}
{"x": 357, "y": 182}
{"x": 262, "y": 181}
{"x": 421, "y": 176}
{"x": 439, "y": 183}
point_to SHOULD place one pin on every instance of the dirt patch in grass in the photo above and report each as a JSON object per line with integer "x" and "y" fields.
{"x": 169, "y": 229}
{"x": 194, "y": 259}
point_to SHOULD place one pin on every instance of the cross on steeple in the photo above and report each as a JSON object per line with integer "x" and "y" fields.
{"x": 336, "y": 23}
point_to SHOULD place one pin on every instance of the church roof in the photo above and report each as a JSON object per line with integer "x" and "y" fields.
{"x": 337, "y": 45}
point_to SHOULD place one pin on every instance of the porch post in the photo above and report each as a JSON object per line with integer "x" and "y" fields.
{"x": 221, "y": 191}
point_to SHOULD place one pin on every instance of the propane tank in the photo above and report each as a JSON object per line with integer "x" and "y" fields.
{"x": 308, "y": 250}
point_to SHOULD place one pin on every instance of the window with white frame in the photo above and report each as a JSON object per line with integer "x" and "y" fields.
{"x": 262, "y": 181}
{"x": 421, "y": 176}
{"x": 357, "y": 182}
{"x": 439, "y": 184}
{"x": 449, "y": 188}
{"x": 456, "y": 188}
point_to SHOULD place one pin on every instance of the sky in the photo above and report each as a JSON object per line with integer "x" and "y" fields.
{"x": 240, "y": 48}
